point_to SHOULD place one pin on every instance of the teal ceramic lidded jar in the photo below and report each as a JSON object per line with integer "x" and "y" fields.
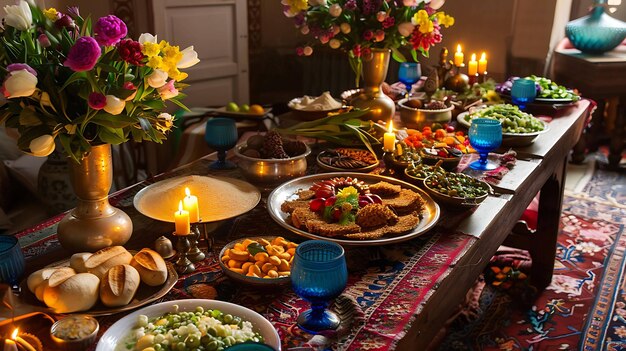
{"x": 597, "y": 32}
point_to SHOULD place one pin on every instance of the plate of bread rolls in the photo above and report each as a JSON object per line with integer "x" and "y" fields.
{"x": 108, "y": 281}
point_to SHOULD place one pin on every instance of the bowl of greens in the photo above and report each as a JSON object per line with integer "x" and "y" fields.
{"x": 456, "y": 189}
{"x": 547, "y": 90}
{"x": 518, "y": 127}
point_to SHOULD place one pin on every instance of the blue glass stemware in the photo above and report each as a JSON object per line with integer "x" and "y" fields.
{"x": 221, "y": 135}
{"x": 409, "y": 73}
{"x": 485, "y": 135}
{"x": 523, "y": 92}
{"x": 318, "y": 275}
{"x": 11, "y": 260}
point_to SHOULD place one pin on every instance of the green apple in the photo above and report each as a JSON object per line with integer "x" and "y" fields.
{"x": 232, "y": 107}
{"x": 244, "y": 108}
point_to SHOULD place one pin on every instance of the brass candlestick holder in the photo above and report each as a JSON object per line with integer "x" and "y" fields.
{"x": 183, "y": 245}
{"x": 483, "y": 77}
{"x": 195, "y": 254}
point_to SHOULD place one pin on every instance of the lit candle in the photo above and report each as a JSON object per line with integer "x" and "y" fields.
{"x": 9, "y": 345}
{"x": 389, "y": 139}
{"x": 458, "y": 56}
{"x": 482, "y": 64}
{"x": 181, "y": 220}
{"x": 472, "y": 66}
{"x": 190, "y": 203}
{"x": 18, "y": 340}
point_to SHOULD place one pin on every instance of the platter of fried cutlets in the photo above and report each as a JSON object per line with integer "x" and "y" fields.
{"x": 353, "y": 208}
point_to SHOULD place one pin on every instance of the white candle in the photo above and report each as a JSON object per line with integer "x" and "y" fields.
{"x": 472, "y": 66}
{"x": 458, "y": 56}
{"x": 190, "y": 203}
{"x": 9, "y": 345}
{"x": 482, "y": 64}
{"x": 389, "y": 139}
{"x": 181, "y": 220}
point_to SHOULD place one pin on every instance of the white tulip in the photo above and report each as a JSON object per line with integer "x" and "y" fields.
{"x": 19, "y": 16}
{"x": 317, "y": 2}
{"x": 157, "y": 78}
{"x": 147, "y": 38}
{"x": 42, "y": 146}
{"x": 114, "y": 105}
{"x": 20, "y": 83}
{"x": 436, "y": 4}
{"x": 406, "y": 29}
{"x": 190, "y": 58}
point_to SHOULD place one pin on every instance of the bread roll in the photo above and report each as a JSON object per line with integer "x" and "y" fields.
{"x": 151, "y": 267}
{"x": 39, "y": 290}
{"x": 78, "y": 260}
{"x": 100, "y": 262}
{"x": 60, "y": 275}
{"x": 37, "y": 277}
{"x": 119, "y": 285}
{"x": 77, "y": 293}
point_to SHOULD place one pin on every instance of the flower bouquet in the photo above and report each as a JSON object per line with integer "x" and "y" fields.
{"x": 358, "y": 26}
{"x": 84, "y": 85}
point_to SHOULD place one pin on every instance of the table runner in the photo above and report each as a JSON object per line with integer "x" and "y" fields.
{"x": 385, "y": 290}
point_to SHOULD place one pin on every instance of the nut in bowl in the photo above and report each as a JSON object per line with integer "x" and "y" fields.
{"x": 263, "y": 261}
{"x": 74, "y": 333}
{"x": 449, "y": 156}
{"x": 456, "y": 189}
{"x": 269, "y": 160}
{"x": 415, "y": 114}
{"x": 311, "y": 107}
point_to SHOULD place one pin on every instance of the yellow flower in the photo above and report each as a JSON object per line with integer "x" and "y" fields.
{"x": 171, "y": 56}
{"x": 296, "y": 6}
{"x": 155, "y": 62}
{"x": 177, "y": 75}
{"x": 427, "y": 27}
{"x": 51, "y": 13}
{"x": 150, "y": 49}
{"x": 347, "y": 191}
{"x": 424, "y": 22}
{"x": 163, "y": 44}
{"x": 445, "y": 20}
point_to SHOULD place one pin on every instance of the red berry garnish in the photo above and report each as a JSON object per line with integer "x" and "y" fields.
{"x": 316, "y": 204}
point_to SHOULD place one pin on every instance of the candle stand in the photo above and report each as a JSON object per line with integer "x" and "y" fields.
{"x": 457, "y": 82}
{"x": 195, "y": 254}
{"x": 473, "y": 79}
{"x": 483, "y": 77}
{"x": 183, "y": 245}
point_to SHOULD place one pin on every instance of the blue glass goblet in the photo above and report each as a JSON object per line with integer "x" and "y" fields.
{"x": 523, "y": 92}
{"x": 409, "y": 73}
{"x": 11, "y": 260}
{"x": 485, "y": 135}
{"x": 221, "y": 135}
{"x": 318, "y": 275}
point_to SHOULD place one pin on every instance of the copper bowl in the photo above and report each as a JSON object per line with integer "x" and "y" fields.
{"x": 270, "y": 172}
{"x": 418, "y": 118}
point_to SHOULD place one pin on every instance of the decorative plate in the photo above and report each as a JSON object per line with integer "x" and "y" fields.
{"x": 322, "y": 161}
{"x": 118, "y": 332}
{"x": 287, "y": 191}
{"x": 144, "y": 295}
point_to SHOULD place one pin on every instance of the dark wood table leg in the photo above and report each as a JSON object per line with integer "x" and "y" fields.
{"x": 617, "y": 137}
{"x": 543, "y": 248}
{"x": 596, "y": 128}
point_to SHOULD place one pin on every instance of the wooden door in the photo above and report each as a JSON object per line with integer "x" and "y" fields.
{"x": 218, "y": 30}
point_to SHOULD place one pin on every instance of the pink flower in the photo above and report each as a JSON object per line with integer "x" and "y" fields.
{"x": 168, "y": 91}
{"x": 109, "y": 30}
{"x": 389, "y": 22}
{"x": 43, "y": 40}
{"x": 368, "y": 34}
{"x": 300, "y": 51}
{"x": 64, "y": 21}
{"x": 130, "y": 86}
{"x": 97, "y": 101}
{"x": 83, "y": 55}
{"x": 21, "y": 66}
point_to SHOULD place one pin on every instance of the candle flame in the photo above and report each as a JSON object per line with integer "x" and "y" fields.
{"x": 390, "y": 126}
{"x": 473, "y": 57}
{"x": 187, "y": 192}
{"x": 14, "y": 334}
{"x": 180, "y": 206}
{"x": 458, "y": 48}
{"x": 483, "y": 56}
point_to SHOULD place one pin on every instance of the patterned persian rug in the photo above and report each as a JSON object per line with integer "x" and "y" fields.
{"x": 584, "y": 308}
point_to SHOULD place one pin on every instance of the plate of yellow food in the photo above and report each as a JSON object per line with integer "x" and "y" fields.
{"x": 353, "y": 208}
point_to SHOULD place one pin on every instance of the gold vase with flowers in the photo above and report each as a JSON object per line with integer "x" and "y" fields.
{"x": 87, "y": 87}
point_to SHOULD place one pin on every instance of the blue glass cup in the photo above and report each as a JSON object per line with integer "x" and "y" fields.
{"x": 485, "y": 135}
{"x": 409, "y": 73}
{"x": 11, "y": 260}
{"x": 523, "y": 92}
{"x": 221, "y": 135}
{"x": 318, "y": 275}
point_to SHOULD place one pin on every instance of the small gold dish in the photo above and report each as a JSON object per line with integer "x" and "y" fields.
{"x": 75, "y": 333}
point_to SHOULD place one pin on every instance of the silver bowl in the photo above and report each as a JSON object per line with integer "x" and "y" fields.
{"x": 270, "y": 172}
{"x": 418, "y": 118}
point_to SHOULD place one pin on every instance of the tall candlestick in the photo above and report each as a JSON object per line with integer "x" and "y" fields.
{"x": 458, "y": 56}
{"x": 190, "y": 203}
{"x": 482, "y": 64}
{"x": 389, "y": 139}
{"x": 472, "y": 66}
{"x": 181, "y": 220}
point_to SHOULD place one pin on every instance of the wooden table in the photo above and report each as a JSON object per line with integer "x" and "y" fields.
{"x": 490, "y": 223}
{"x": 600, "y": 77}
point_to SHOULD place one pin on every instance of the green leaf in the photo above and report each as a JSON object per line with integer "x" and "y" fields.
{"x": 76, "y": 76}
{"x": 414, "y": 54}
{"x": 179, "y": 104}
{"x": 154, "y": 104}
{"x": 111, "y": 135}
{"x": 110, "y": 121}
{"x": 108, "y": 68}
{"x": 255, "y": 248}
{"x": 397, "y": 55}
{"x": 29, "y": 117}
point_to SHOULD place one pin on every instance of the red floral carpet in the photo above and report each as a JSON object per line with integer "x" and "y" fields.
{"x": 585, "y": 306}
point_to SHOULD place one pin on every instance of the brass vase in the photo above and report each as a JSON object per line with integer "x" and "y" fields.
{"x": 94, "y": 223}
{"x": 381, "y": 107}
